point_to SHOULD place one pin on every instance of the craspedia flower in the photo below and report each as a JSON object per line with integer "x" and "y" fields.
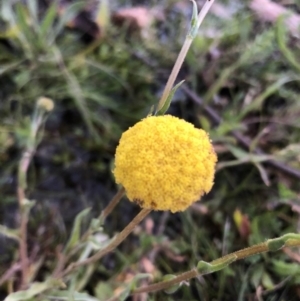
{"x": 165, "y": 163}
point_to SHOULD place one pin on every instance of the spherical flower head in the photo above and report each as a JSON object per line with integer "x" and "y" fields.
{"x": 45, "y": 103}
{"x": 165, "y": 163}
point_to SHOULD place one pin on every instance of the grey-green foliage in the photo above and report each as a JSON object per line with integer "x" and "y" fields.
{"x": 260, "y": 48}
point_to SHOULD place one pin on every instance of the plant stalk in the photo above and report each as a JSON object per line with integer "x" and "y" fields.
{"x": 112, "y": 245}
{"x": 22, "y": 185}
{"x": 182, "y": 54}
{"x": 112, "y": 204}
{"x": 287, "y": 240}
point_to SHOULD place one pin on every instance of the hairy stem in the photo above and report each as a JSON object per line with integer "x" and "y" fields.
{"x": 166, "y": 284}
{"x": 287, "y": 240}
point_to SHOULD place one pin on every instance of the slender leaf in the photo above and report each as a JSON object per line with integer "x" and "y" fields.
{"x": 258, "y": 101}
{"x": 11, "y": 233}
{"x": 65, "y": 295}
{"x": 35, "y": 289}
{"x": 33, "y": 9}
{"x": 281, "y": 40}
{"x": 167, "y": 103}
{"x": 76, "y": 231}
{"x": 49, "y": 18}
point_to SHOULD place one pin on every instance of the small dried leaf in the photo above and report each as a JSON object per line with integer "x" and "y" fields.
{"x": 242, "y": 223}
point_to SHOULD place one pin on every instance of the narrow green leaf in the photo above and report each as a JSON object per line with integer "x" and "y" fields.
{"x": 22, "y": 19}
{"x": 103, "y": 291}
{"x": 68, "y": 15}
{"x": 238, "y": 152}
{"x": 267, "y": 281}
{"x": 285, "y": 268}
{"x": 35, "y": 289}
{"x": 167, "y": 103}
{"x": 151, "y": 111}
{"x": 75, "y": 235}
{"x": 172, "y": 289}
{"x": 11, "y": 233}
{"x": 206, "y": 268}
{"x": 75, "y": 296}
{"x": 33, "y": 9}
{"x": 8, "y": 67}
{"x": 257, "y": 273}
{"x": 276, "y": 244}
{"x": 48, "y": 19}
{"x": 263, "y": 173}
{"x": 256, "y": 104}
{"x": 125, "y": 294}
{"x": 281, "y": 40}
{"x": 293, "y": 236}
{"x": 194, "y": 21}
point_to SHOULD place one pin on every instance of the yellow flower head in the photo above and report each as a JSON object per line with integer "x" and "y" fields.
{"x": 45, "y": 103}
{"x": 165, "y": 163}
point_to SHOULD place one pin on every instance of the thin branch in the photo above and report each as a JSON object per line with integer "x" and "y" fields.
{"x": 112, "y": 204}
{"x": 10, "y": 272}
{"x": 287, "y": 240}
{"x": 43, "y": 106}
{"x": 23, "y": 238}
{"x": 107, "y": 210}
{"x": 112, "y": 245}
{"x": 61, "y": 259}
{"x": 22, "y": 185}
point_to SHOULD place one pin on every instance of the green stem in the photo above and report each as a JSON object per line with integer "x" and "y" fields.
{"x": 175, "y": 71}
{"x": 183, "y": 52}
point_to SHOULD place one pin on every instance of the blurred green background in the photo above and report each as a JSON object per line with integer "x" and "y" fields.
{"x": 104, "y": 64}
